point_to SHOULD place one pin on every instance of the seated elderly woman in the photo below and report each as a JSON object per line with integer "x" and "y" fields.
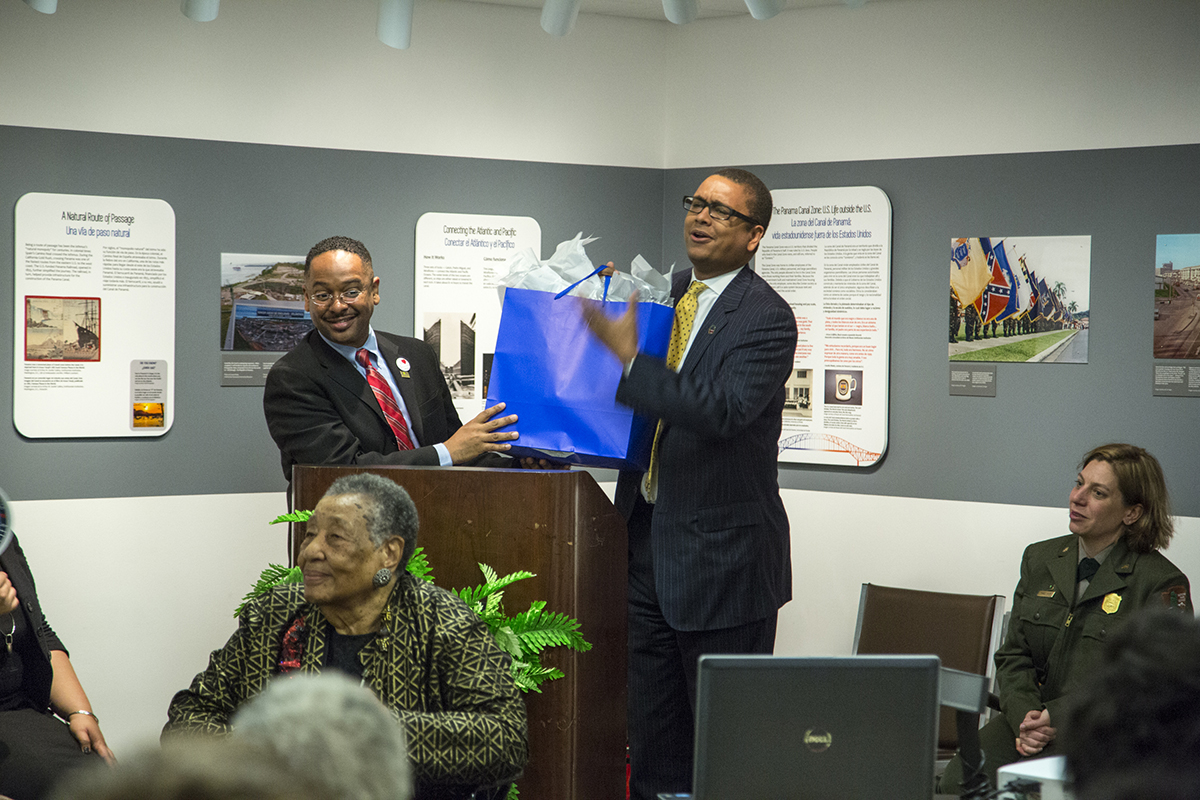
{"x": 1074, "y": 592}
{"x": 37, "y": 681}
{"x": 423, "y": 652}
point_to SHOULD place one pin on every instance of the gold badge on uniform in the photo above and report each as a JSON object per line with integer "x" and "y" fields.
{"x": 1046, "y": 593}
{"x": 1112, "y": 602}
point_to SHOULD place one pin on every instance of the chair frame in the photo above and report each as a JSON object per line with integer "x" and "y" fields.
{"x": 916, "y": 596}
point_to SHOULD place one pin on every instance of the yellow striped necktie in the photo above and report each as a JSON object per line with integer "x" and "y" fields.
{"x": 681, "y": 331}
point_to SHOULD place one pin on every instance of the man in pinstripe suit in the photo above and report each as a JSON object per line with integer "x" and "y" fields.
{"x": 709, "y": 554}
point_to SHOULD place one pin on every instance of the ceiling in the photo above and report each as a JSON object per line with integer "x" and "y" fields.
{"x": 653, "y": 9}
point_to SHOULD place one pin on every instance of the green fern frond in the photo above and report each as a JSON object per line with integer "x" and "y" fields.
{"x": 539, "y": 629}
{"x": 418, "y": 565}
{"x": 491, "y": 585}
{"x": 494, "y": 619}
{"x": 492, "y": 604}
{"x": 508, "y": 641}
{"x": 270, "y": 577}
{"x": 513, "y": 577}
{"x": 529, "y": 677}
{"x": 295, "y": 516}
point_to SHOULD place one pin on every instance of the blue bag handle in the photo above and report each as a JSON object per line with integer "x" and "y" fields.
{"x": 607, "y": 280}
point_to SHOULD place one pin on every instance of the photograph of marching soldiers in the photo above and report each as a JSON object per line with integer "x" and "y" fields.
{"x": 1177, "y": 296}
{"x": 1020, "y": 298}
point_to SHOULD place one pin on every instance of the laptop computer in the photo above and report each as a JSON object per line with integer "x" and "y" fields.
{"x": 782, "y": 728}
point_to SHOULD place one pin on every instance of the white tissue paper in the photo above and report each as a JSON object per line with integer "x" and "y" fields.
{"x": 570, "y": 264}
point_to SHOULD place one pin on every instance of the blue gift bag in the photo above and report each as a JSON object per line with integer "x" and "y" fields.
{"x": 561, "y": 382}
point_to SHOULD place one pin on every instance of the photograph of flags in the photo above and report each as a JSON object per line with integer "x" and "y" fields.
{"x": 1005, "y": 289}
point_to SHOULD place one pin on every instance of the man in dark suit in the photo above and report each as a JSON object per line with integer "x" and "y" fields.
{"x": 709, "y": 547}
{"x": 319, "y": 404}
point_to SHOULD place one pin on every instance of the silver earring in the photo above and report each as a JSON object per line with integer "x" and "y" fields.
{"x": 382, "y": 578}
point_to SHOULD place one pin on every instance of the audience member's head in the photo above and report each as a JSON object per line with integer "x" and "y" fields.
{"x": 330, "y": 730}
{"x": 195, "y": 769}
{"x": 1141, "y": 783}
{"x": 1134, "y": 728}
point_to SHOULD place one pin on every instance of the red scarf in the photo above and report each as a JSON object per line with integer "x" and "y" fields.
{"x": 293, "y": 647}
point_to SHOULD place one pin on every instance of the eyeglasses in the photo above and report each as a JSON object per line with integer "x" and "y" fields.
{"x": 325, "y": 298}
{"x": 695, "y": 205}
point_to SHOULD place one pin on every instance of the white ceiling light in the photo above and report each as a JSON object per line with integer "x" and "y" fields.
{"x": 765, "y": 9}
{"x": 558, "y": 16}
{"x": 395, "y": 23}
{"x": 44, "y": 6}
{"x": 681, "y": 12}
{"x": 200, "y": 10}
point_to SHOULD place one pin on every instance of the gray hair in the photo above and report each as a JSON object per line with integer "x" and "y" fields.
{"x": 191, "y": 768}
{"x": 332, "y": 731}
{"x": 391, "y": 511}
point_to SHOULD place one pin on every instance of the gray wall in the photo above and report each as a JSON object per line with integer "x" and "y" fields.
{"x": 247, "y": 198}
{"x": 1020, "y": 447}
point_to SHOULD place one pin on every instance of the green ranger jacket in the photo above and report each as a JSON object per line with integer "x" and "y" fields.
{"x": 1051, "y": 646}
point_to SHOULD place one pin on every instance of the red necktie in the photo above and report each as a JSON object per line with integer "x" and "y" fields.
{"x": 387, "y": 401}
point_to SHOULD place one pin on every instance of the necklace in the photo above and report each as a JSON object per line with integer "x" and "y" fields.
{"x": 12, "y": 621}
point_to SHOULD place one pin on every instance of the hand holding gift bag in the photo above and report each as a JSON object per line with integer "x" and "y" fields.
{"x": 558, "y": 379}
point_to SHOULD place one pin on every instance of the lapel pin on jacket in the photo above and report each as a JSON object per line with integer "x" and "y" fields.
{"x": 403, "y": 364}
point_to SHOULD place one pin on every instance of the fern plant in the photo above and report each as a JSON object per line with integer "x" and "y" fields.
{"x": 523, "y": 637}
{"x": 527, "y": 634}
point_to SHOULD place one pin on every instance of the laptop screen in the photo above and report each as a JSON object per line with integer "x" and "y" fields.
{"x": 781, "y": 728}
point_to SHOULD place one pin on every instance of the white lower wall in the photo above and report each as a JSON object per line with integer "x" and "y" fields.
{"x": 841, "y": 541}
{"x": 141, "y": 589}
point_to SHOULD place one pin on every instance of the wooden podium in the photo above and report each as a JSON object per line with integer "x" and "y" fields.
{"x": 560, "y": 526}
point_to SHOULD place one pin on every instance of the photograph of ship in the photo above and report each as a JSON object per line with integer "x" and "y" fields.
{"x": 148, "y": 415}
{"x": 262, "y": 302}
{"x": 1020, "y": 299}
{"x": 1177, "y": 296}
{"x": 452, "y": 337}
{"x": 62, "y": 328}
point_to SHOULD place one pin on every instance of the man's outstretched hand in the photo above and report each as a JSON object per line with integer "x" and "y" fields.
{"x": 480, "y": 435}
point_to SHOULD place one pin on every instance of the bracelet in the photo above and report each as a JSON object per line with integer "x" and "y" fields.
{"x": 87, "y": 713}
